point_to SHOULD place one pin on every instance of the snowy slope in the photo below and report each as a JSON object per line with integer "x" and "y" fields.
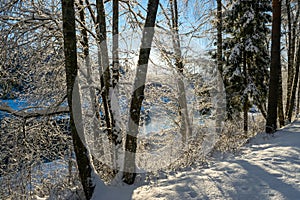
{"x": 267, "y": 168}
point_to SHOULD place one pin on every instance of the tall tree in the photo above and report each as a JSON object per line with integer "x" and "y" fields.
{"x": 185, "y": 127}
{"x": 246, "y": 54}
{"x": 219, "y": 36}
{"x": 115, "y": 45}
{"x": 271, "y": 123}
{"x": 280, "y": 101}
{"x": 117, "y": 140}
{"x": 290, "y": 53}
{"x": 219, "y": 63}
{"x": 70, "y": 50}
{"x": 129, "y": 173}
{"x": 114, "y": 133}
{"x": 105, "y": 76}
{"x": 295, "y": 85}
{"x": 292, "y": 26}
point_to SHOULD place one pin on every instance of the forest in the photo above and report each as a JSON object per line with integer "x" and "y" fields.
{"x": 127, "y": 99}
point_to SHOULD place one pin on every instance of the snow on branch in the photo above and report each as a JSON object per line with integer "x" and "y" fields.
{"x": 34, "y": 113}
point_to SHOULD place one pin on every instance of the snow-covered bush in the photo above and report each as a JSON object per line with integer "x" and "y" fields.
{"x": 36, "y": 158}
{"x": 233, "y": 136}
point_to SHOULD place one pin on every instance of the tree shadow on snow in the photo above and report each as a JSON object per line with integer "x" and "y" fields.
{"x": 263, "y": 181}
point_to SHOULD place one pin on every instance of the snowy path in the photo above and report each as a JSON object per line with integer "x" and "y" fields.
{"x": 268, "y": 168}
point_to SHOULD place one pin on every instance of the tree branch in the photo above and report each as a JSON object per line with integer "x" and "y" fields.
{"x": 35, "y": 113}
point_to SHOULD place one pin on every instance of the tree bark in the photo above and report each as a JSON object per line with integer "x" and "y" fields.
{"x": 246, "y": 101}
{"x": 86, "y": 57}
{"x": 292, "y": 27}
{"x": 245, "y": 111}
{"x": 114, "y": 133}
{"x": 295, "y": 85}
{"x": 129, "y": 173}
{"x": 219, "y": 37}
{"x": 280, "y": 103}
{"x": 115, "y": 45}
{"x": 104, "y": 65}
{"x": 290, "y": 54}
{"x": 298, "y": 101}
{"x": 117, "y": 139}
{"x": 219, "y": 112}
{"x": 97, "y": 149}
{"x": 271, "y": 123}
{"x": 82, "y": 154}
{"x": 186, "y": 128}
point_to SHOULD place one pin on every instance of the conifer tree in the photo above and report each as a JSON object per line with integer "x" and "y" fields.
{"x": 246, "y": 55}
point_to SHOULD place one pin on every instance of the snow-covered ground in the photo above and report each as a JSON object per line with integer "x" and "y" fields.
{"x": 266, "y": 168}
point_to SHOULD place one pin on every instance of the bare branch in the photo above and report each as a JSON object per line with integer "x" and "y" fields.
{"x": 35, "y": 113}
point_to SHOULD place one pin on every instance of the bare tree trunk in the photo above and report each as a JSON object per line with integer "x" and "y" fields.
{"x": 97, "y": 149}
{"x": 280, "y": 103}
{"x": 186, "y": 128}
{"x": 129, "y": 173}
{"x": 104, "y": 64}
{"x": 115, "y": 45}
{"x": 298, "y": 101}
{"x": 292, "y": 27}
{"x": 86, "y": 57}
{"x": 245, "y": 111}
{"x": 271, "y": 124}
{"x": 82, "y": 154}
{"x": 290, "y": 55}
{"x": 219, "y": 113}
{"x": 219, "y": 37}
{"x": 295, "y": 85}
{"x": 246, "y": 101}
{"x": 114, "y": 134}
{"x": 117, "y": 140}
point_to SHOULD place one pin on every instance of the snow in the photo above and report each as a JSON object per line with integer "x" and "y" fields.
{"x": 250, "y": 47}
{"x": 249, "y": 16}
{"x": 103, "y": 192}
{"x": 235, "y": 53}
{"x": 266, "y": 168}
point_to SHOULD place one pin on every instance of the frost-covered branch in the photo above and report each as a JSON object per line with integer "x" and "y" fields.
{"x": 34, "y": 113}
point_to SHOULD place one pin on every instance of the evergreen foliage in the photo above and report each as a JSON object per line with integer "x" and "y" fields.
{"x": 246, "y": 52}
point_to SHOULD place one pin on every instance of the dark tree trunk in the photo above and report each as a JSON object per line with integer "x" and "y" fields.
{"x": 84, "y": 41}
{"x": 290, "y": 54}
{"x": 86, "y": 57}
{"x": 82, "y": 154}
{"x": 295, "y": 85}
{"x": 113, "y": 131}
{"x": 298, "y": 101}
{"x": 117, "y": 139}
{"x": 219, "y": 37}
{"x": 220, "y": 83}
{"x": 246, "y": 101}
{"x": 271, "y": 123}
{"x": 97, "y": 143}
{"x": 292, "y": 27}
{"x": 280, "y": 103}
{"x": 115, "y": 45}
{"x": 129, "y": 173}
{"x": 104, "y": 65}
{"x": 245, "y": 110}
